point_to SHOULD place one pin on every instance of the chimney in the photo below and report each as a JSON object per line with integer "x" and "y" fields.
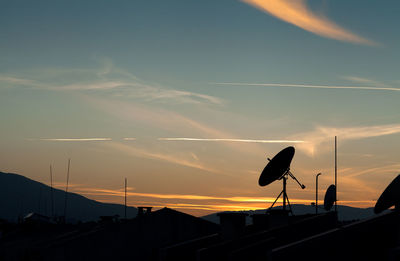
{"x": 143, "y": 211}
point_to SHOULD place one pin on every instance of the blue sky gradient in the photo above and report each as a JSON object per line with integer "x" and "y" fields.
{"x": 153, "y": 69}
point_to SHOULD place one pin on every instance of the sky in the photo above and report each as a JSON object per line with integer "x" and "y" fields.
{"x": 188, "y": 99}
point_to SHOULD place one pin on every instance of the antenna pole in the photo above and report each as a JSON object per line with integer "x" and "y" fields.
{"x": 51, "y": 192}
{"x": 316, "y": 193}
{"x": 40, "y": 198}
{"x": 284, "y": 194}
{"x": 125, "y": 196}
{"x": 336, "y": 174}
{"x": 66, "y": 192}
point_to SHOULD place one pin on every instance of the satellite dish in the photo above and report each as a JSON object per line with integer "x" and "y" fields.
{"x": 276, "y": 167}
{"x": 279, "y": 168}
{"x": 330, "y": 197}
{"x": 390, "y": 196}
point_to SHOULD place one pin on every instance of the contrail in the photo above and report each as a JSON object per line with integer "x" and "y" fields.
{"x": 308, "y": 86}
{"x": 232, "y": 140}
{"x": 74, "y": 139}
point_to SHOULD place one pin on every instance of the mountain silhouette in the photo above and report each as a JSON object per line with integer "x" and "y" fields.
{"x": 20, "y": 195}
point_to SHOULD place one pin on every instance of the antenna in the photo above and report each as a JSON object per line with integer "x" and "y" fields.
{"x": 316, "y": 193}
{"x": 278, "y": 168}
{"x": 21, "y": 202}
{"x": 125, "y": 195}
{"x": 336, "y": 174}
{"x": 40, "y": 198}
{"x": 51, "y": 191}
{"x": 66, "y": 192}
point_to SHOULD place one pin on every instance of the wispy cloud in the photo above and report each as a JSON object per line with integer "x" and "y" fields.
{"x": 174, "y": 159}
{"x": 323, "y": 135}
{"x": 120, "y": 193}
{"x": 73, "y": 139}
{"x": 15, "y": 80}
{"x": 167, "y": 120}
{"x": 309, "y": 86}
{"x": 363, "y": 80}
{"x": 385, "y": 169}
{"x": 109, "y": 80}
{"x": 231, "y": 140}
{"x": 196, "y": 201}
{"x": 297, "y": 13}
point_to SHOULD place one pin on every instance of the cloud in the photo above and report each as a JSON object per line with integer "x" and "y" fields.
{"x": 74, "y": 139}
{"x": 309, "y": 86}
{"x": 385, "y": 169}
{"x": 166, "y": 120}
{"x": 15, "y": 80}
{"x": 110, "y": 81}
{"x": 129, "y": 139}
{"x": 162, "y": 157}
{"x": 192, "y": 201}
{"x": 231, "y": 140}
{"x": 323, "y": 135}
{"x": 199, "y": 202}
{"x": 207, "y": 202}
{"x": 181, "y": 96}
{"x": 363, "y": 80}
{"x": 297, "y": 13}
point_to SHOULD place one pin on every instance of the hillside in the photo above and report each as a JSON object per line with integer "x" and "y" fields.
{"x": 20, "y": 195}
{"x": 346, "y": 213}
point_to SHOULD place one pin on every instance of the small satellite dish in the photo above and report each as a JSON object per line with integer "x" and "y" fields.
{"x": 390, "y": 196}
{"x": 330, "y": 197}
{"x": 276, "y": 167}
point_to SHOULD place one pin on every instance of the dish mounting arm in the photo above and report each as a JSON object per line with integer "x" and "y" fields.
{"x": 289, "y": 173}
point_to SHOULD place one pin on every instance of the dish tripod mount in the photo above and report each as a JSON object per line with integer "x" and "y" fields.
{"x": 283, "y": 193}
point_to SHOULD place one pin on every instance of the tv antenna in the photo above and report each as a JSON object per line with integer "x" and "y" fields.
{"x": 336, "y": 174}
{"x": 66, "y": 192}
{"x": 126, "y": 183}
{"x": 51, "y": 191}
{"x": 316, "y": 192}
{"x": 278, "y": 168}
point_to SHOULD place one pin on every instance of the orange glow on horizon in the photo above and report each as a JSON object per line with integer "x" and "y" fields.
{"x": 197, "y": 205}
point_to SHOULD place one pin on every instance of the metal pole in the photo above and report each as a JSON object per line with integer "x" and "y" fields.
{"x": 335, "y": 174}
{"x": 316, "y": 193}
{"x": 40, "y": 198}
{"x": 284, "y": 193}
{"x": 66, "y": 193}
{"x": 51, "y": 187}
{"x": 125, "y": 196}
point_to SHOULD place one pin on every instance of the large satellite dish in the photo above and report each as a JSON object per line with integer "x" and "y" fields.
{"x": 330, "y": 197}
{"x": 278, "y": 168}
{"x": 390, "y": 197}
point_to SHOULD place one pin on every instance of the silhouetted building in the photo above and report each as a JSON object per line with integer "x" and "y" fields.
{"x": 37, "y": 219}
{"x": 252, "y": 241}
{"x": 136, "y": 239}
{"x": 167, "y": 234}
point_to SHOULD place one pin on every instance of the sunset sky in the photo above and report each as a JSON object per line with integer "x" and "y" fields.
{"x": 187, "y": 99}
